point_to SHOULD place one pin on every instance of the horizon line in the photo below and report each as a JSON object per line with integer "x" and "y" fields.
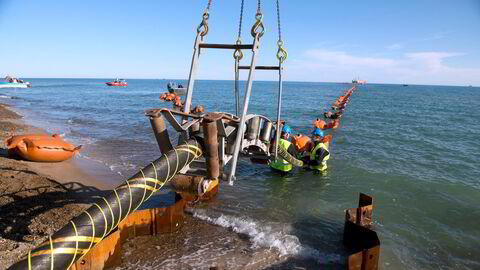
{"x": 170, "y": 79}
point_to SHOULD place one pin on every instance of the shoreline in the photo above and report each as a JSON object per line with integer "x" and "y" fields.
{"x": 36, "y": 201}
{"x": 48, "y": 195}
{"x": 75, "y": 169}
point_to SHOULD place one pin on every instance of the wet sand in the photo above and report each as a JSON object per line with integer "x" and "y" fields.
{"x": 36, "y": 199}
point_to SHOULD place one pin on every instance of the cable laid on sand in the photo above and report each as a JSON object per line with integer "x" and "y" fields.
{"x": 86, "y": 230}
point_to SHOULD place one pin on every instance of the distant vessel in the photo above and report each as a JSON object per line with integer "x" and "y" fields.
{"x": 178, "y": 89}
{"x": 405, "y": 85}
{"x": 12, "y": 82}
{"x": 117, "y": 82}
{"x": 359, "y": 81}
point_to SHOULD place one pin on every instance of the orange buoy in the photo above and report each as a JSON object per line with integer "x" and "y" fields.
{"x": 170, "y": 97}
{"x": 12, "y": 142}
{"x": 301, "y": 142}
{"x": 319, "y": 123}
{"x": 333, "y": 124}
{"x": 327, "y": 138}
{"x": 43, "y": 148}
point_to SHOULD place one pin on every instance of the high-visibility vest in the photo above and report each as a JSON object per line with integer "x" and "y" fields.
{"x": 281, "y": 164}
{"x": 323, "y": 165}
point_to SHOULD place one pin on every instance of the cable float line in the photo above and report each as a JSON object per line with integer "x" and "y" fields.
{"x": 83, "y": 232}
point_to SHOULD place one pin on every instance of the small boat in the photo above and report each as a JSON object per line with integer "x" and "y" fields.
{"x": 359, "y": 81}
{"x": 117, "y": 82}
{"x": 175, "y": 88}
{"x": 405, "y": 85}
{"x": 12, "y": 82}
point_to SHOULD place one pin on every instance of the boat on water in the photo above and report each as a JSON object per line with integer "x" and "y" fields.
{"x": 175, "y": 88}
{"x": 117, "y": 82}
{"x": 359, "y": 81}
{"x": 12, "y": 82}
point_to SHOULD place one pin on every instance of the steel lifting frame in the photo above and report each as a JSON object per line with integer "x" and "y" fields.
{"x": 191, "y": 81}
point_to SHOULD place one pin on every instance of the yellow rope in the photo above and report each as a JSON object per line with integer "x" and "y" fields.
{"x": 144, "y": 190}
{"x": 105, "y": 218}
{"x": 76, "y": 244}
{"x": 168, "y": 170}
{"x": 51, "y": 249}
{"x": 142, "y": 186}
{"x": 119, "y": 206}
{"x": 93, "y": 230}
{"x": 78, "y": 238}
{"x": 60, "y": 251}
{"x": 156, "y": 180}
{"x": 111, "y": 212}
{"x": 29, "y": 260}
{"x": 176, "y": 169}
{"x": 188, "y": 153}
{"x": 130, "y": 206}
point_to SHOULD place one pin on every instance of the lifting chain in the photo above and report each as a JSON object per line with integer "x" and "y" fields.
{"x": 282, "y": 53}
{"x": 258, "y": 28}
{"x": 238, "y": 54}
{"x": 204, "y": 22}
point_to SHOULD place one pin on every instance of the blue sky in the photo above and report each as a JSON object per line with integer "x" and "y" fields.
{"x": 408, "y": 41}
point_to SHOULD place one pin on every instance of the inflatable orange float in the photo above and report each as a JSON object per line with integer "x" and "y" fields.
{"x": 301, "y": 142}
{"x": 327, "y": 138}
{"x": 14, "y": 140}
{"x": 42, "y": 148}
{"x": 319, "y": 123}
{"x": 333, "y": 124}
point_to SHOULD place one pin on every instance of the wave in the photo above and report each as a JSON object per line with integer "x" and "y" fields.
{"x": 268, "y": 237}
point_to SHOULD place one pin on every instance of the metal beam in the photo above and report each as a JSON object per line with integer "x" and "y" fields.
{"x": 241, "y": 126}
{"x": 191, "y": 76}
{"x": 261, "y": 67}
{"x": 227, "y": 46}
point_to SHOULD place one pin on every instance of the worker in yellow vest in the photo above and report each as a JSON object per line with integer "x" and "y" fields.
{"x": 319, "y": 153}
{"x": 281, "y": 164}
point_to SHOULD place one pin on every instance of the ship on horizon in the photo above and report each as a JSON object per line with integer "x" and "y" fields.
{"x": 356, "y": 81}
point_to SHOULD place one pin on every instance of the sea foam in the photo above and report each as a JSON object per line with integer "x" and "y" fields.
{"x": 268, "y": 237}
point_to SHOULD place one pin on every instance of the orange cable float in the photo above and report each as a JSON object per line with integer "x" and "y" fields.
{"x": 41, "y": 147}
{"x": 301, "y": 142}
{"x": 319, "y": 123}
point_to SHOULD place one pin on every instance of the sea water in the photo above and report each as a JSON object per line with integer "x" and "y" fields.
{"x": 415, "y": 149}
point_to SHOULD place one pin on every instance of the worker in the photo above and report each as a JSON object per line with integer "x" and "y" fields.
{"x": 319, "y": 153}
{"x": 302, "y": 143}
{"x": 280, "y": 164}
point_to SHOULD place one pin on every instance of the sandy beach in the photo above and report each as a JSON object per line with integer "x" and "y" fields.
{"x": 36, "y": 199}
